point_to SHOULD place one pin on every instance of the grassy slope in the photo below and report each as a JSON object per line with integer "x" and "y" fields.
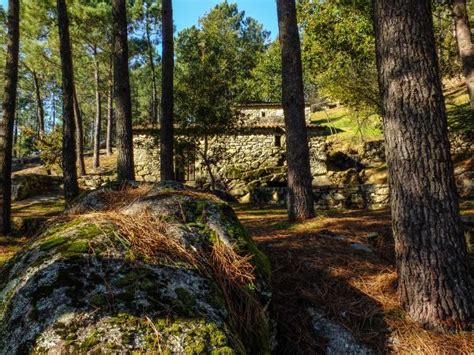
{"x": 355, "y": 129}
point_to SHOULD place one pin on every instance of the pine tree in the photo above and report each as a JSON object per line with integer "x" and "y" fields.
{"x": 300, "y": 195}
{"x": 465, "y": 45}
{"x": 123, "y": 103}
{"x": 9, "y": 108}
{"x": 435, "y": 285}
{"x": 167, "y": 100}
{"x": 71, "y": 189}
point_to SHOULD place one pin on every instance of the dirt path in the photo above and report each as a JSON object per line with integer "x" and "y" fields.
{"x": 341, "y": 264}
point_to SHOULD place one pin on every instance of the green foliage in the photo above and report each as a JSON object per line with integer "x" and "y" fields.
{"x": 265, "y": 82}
{"x": 49, "y": 146}
{"x": 339, "y": 51}
{"x": 214, "y": 61}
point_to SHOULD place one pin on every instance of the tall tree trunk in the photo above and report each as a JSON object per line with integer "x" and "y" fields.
{"x": 435, "y": 286}
{"x": 110, "y": 120}
{"x": 79, "y": 131}
{"x": 98, "y": 115}
{"x": 300, "y": 194}
{"x": 71, "y": 189}
{"x": 39, "y": 104}
{"x": 151, "y": 58}
{"x": 465, "y": 45}
{"x": 167, "y": 94}
{"x": 9, "y": 108}
{"x": 15, "y": 137}
{"x": 123, "y": 102}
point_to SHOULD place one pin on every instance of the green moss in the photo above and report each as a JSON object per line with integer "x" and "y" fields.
{"x": 89, "y": 230}
{"x": 185, "y": 297}
{"x": 53, "y": 242}
{"x": 62, "y": 227}
{"x": 225, "y": 350}
{"x": 91, "y": 341}
{"x": 98, "y": 300}
{"x": 198, "y": 335}
{"x": 78, "y": 247}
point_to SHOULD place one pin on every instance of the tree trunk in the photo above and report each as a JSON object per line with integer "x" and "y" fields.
{"x": 465, "y": 46}
{"x": 15, "y": 137}
{"x": 151, "y": 58}
{"x": 79, "y": 135}
{"x": 110, "y": 120}
{"x": 435, "y": 286}
{"x": 300, "y": 194}
{"x": 167, "y": 94}
{"x": 39, "y": 104}
{"x": 9, "y": 108}
{"x": 123, "y": 102}
{"x": 98, "y": 115}
{"x": 71, "y": 189}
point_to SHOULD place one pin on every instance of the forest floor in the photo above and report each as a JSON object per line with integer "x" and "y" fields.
{"x": 342, "y": 264}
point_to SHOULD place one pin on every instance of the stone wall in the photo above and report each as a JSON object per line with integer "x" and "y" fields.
{"x": 244, "y": 161}
{"x": 252, "y": 167}
{"x": 370, "y": 196}
{"x": 147, "y": 157}
{"x": 239, "y": 162}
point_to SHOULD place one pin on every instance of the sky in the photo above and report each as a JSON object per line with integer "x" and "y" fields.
{"x": 187, "y": 12}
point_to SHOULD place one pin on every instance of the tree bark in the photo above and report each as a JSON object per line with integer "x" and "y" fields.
{"x": 465, "y": 45}
{"x": 151, "y": 58}
{"x": 15, "y": 137}
{"x": 300, "y": 195}
{"x": 9, "y": 108}
{"x": 71, "y": 189}
{"x": 110, "y": 120}
{"x": 98, "y": 115}
{"x": 39, "y": 104}
{"x": 123, "y": 103}
{"x": 167, "y": 94}
{"x": 435, "y": 285}
{"x": 79, "y": 131}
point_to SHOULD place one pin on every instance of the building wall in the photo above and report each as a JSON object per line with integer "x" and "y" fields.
{"x": 252, "y": 167}
{"x": 238, "y": 161}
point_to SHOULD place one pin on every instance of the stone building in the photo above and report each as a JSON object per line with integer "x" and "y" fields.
{"x": 250, "y": 162}
{"x": 252, "y": 156}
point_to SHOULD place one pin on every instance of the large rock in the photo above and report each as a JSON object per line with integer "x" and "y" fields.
{"x": 161, "y": 271}
{"x": 27, "y": 185}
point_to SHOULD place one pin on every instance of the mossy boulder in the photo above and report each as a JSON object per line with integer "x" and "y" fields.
{"x": 191, "y": 282}
{"x": 28, "y": 185}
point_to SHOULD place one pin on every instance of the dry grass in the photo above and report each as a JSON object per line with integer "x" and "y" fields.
{"x": 149, "y": 237}
{"x": 314, "y": 264}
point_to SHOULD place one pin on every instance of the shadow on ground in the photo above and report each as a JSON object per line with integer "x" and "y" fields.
{"x": 318, "y": 264}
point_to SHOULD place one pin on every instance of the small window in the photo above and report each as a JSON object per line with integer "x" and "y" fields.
{"x": 277, "y": 141}
{"x": 263, "y": 113}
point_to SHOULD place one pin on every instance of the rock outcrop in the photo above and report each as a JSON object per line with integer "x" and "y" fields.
{"x": 157, "y": 269}
{"x": 27, "y": 185}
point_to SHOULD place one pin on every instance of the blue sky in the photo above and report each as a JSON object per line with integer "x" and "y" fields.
{"x": 187, "y": 12}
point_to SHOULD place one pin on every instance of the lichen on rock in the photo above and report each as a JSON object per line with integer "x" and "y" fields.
{"x": 152, "y": 269}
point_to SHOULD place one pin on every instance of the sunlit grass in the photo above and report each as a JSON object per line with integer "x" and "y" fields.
{"x": 349, "y": 129}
